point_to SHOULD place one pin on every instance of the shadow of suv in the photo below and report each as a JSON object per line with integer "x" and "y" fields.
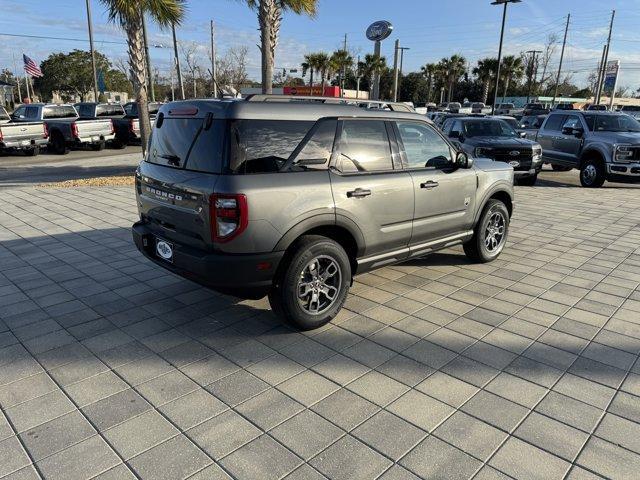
{"x": 293, "y": 198}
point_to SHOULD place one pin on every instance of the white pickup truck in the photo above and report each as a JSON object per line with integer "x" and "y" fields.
{"x": 65, "y": 129}
{"x": 24, "y": 137}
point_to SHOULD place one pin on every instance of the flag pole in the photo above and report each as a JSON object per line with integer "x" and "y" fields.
{"x": 26, "y": 81}
{"x": 17, "y": 77}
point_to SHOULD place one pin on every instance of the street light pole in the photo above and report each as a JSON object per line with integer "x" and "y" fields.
{"x": 177, "y": 60}
{"x": 504, "y": 19}
{"x": 93, "y": 55}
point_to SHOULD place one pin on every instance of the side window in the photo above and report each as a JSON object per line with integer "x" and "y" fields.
{"x": 446, "y": 127}
{"x": 102, "y": 111}
{"x": 264, "y": 146}
{"x": 554, "y": 122}
{"x": 424, "y": 148}
{"x": 19, "y": 112}
{"x": 572, "y": 121}
{"x": 315, "y": 154}
{"x": 456, "y": 129}
{"x": 364, "y": 147}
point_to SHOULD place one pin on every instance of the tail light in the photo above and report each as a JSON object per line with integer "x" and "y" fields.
{"x": 131, "y": 126}
{"x": 229, "y": 216}
{"x": 113, "y": 130}
{"x": 74, "y": 130}
{"x": 45, "y": 131}
{"x": 1, "y": 137}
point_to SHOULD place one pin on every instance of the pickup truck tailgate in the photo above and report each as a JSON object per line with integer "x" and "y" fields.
{"x": 94, "y": 128}
{"x": 22, "y": 132}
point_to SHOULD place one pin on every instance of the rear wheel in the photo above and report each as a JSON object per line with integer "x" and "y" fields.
{"x": 58, "y": 144}
{"x": 592, "y": 174}
{"x": 561, "y": 168}
{"x": 490, "y": 234}
{"x": 312, "y": 285}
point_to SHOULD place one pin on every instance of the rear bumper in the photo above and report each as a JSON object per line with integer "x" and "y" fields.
{"x": 19, "y": 144}
{"x": 623, "y": 172}
{"x": 95, "y": 138}
{"x": 249, "y": 275}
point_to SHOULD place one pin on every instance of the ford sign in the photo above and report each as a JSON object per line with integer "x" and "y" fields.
{"x": 379, "y": 30}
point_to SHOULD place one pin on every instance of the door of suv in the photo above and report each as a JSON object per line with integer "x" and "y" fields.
{"x": 568, "y": 146}
{"x": 444, "y": 194}
{"x": 371, "y": 190}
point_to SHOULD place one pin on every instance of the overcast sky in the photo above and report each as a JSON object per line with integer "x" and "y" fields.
{"x": 430, "y": 28}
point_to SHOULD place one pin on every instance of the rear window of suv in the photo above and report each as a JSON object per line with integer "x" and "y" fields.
{"x": 185, "y": 143}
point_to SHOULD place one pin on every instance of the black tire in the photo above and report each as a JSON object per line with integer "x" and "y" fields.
{"x": 561, "y": 168}
{"x": 33, "y": 151}
{"x": 528, "y": 181}
{"x": 592, "y": 173}
{"x": 117, "y": 144}
{"x": 58, "y": 144}
{"x": 297, "y": 269}
{"x": 476, "y": 249}
{"x": 96, "y": 147}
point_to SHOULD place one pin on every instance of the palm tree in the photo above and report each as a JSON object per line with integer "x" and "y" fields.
{"x": 128, "y": 13}
{"x": 512, "y": 69}
{"x": 323, "y": 65}
{"x": 430, "y": 70}
{"x": 307, "y": 66}
{"x": 454, "y": 68}
{"x": 372, "y": 65}
{"x": 341, "y": 60}
{"x": 270, "y": 18}
{"x": 486, "y": 72}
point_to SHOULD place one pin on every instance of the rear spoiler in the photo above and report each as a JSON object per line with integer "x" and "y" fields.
{"x": 374, "y": 104}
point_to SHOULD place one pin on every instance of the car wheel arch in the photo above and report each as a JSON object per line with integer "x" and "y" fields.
{"x": 497, "y": 193}
{"x": 592, "y": 154}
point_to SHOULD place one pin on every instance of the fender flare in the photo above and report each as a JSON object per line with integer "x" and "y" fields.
{"x": 501, "y": 187}
{"x": 320, "y": 220}
{"x": 591, "y": 149}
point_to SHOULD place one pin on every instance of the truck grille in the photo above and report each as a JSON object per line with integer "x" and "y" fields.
{"x": 524, "y": 156}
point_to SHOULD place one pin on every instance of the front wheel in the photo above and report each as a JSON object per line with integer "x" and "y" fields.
{"x": 529, "y": 181}
{"x": 592, "y": 174}
{"x": 490, "y": 234}
{"x": 312, "y": 284}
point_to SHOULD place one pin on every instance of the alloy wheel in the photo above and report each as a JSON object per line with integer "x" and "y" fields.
{"x": 494, "y": 232}
{"x": 319, "y": 284}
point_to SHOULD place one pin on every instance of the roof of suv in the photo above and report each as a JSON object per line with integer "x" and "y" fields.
{"x": 303, "y": 110}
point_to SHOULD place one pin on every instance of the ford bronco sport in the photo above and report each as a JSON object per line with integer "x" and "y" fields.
{"x": 291, "y": 198}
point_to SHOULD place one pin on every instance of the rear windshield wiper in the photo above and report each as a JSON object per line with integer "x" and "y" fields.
{"x": 172, "y": 159}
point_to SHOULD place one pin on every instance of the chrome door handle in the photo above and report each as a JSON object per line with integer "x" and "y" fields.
{"x": 359, "y": 193}
{"x": 430, "y": 184}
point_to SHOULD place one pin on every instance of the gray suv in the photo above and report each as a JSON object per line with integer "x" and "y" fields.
{"x": 288, "y": 198}
{"x": 602, "y": 145}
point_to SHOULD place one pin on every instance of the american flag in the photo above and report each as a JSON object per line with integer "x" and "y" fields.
{"x": 30, "y": 67}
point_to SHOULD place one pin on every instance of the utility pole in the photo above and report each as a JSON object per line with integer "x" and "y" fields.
{"x": 213, "y": 64}
{"x": 145, "y": 39}
{"x": 564, "y": 43}
{"x": 177, "y": 59}
{"x": 17, "y": 78}
{"x": 395, "y": 70}
{"x": 358, "y": 77}
{"x": 93, "y": 54}
{"x": 504, "y": 19}
{"x": 600, "y": 69}
{"x": 606, "y": 57}
{"x": 533, "y": 70}
{"x": 402, "y": 49}
{"x": 343, "y": 73}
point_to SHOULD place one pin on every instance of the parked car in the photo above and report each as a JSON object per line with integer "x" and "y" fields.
{"x": 531, "y": 124}
{"x": 450, "y": 107}
{"x": 128, "y": 127}
{"x": 494, "y": 138}
{"x": 424, "y": 108}
{"x": 633, "y": 110}
{"x": 564, "y": 106}
{"x": 597, "y": 108}
{"x": 66, "y": 130}
{"x": 602, "y": 145}
{"x": 95, "y": 110}
{"x": 255, "y": 197}
{"x": 507, "y": 109}
{"x": 26, "y": 137}
{"x": 479, "y": 107}
{"x": 439, "y": 119}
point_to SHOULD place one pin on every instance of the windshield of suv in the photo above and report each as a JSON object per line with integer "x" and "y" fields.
{"x": 612, "y": 123}
{"x": 488, "y": 128}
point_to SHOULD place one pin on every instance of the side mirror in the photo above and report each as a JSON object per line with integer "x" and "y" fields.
{"x": 463, "y": 160}
{"x": 567, "y": 130}
{"x": 578, "y": 132}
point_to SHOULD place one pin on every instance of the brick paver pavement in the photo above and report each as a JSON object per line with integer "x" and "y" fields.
{"x": 112, "y": 368}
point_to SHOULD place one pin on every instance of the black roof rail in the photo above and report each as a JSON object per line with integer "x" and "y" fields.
{"x": 376, "y": 104}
